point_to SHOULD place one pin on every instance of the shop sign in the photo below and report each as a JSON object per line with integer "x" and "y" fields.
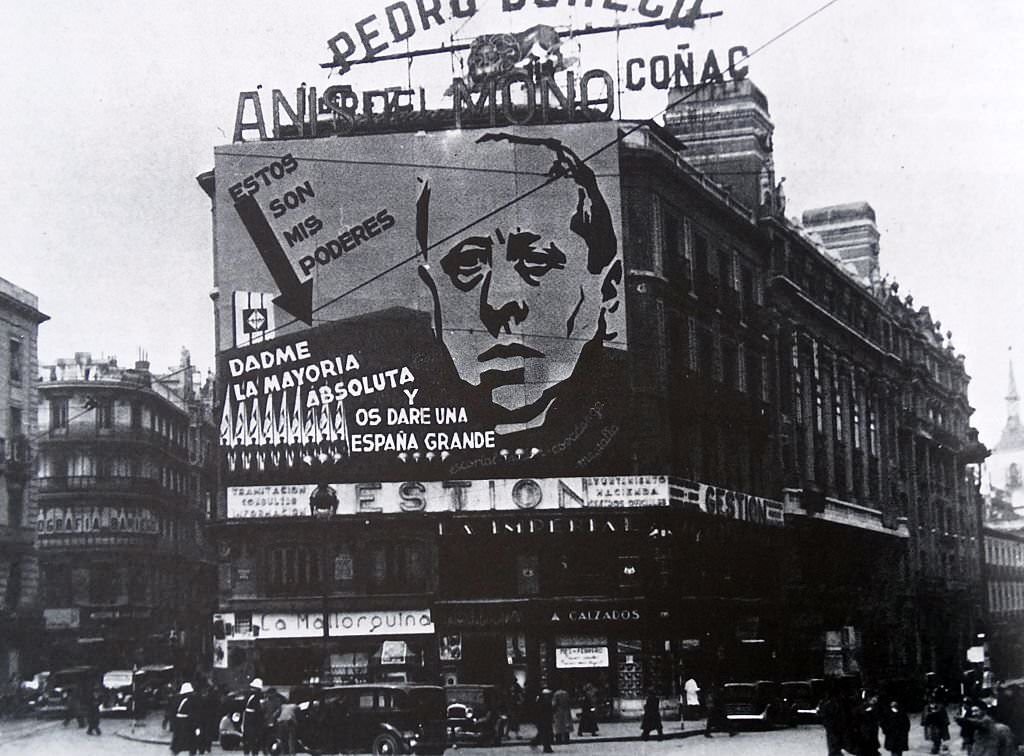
{"x": 597, "y": 614}
{"x": 733, "y": 505}
{"x": 531, "y": 526}
{"x": 343, "y": 624}
{"x": 514, "y": 495}
{"x": 579, "y": 657}
{"x": 482, "y": 615}
{"x": 76, "y": 519}
{"x": 61, "y": 619}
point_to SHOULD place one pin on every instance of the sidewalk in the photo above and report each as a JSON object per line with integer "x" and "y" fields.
{"x": 16, "y": 729}
{"x": 148, "y": 731}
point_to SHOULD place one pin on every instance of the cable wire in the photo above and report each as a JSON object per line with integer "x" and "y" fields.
{"x": 623, "y": 134}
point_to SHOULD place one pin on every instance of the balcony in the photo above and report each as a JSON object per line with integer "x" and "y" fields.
{"x": 89, "y": 432}
{"x": 75, "y": 483}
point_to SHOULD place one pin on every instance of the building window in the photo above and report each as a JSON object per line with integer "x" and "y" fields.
{"x": 13, "y": 593}
{"x": 105, "y": 415}
{"x": 58, "y": 414}
{"x": 15, "y": 506}
{"x": 798, "y": 383}
{"x": 819, "y": 394}
{"x": 294, "y": 567}
{"x": 17, "y": 355}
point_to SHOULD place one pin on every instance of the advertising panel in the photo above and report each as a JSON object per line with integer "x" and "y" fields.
{"x": 452, "y": 496}
{"x": 343, "y": 624}
{"x": 579, "y": 657}
{"x": 450, "y": 304}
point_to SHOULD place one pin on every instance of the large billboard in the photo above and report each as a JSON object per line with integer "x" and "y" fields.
{"x": 433, "y": 305}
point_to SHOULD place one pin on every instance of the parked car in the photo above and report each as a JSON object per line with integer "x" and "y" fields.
{"x": 155, "y": 686}
{"x": 475, "y": 714}
{"x": 384, "y": 718}
{"x": 61, "y": 688}
{"x": 117, "y": 692}
{"x": 756, "y": 703}
{"x": 801, "y": 699}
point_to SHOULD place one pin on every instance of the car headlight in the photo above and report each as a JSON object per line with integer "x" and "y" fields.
{"x": 236, "y": 717}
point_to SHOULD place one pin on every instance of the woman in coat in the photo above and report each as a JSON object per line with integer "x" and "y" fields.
{"x": 896, "y": 727}
{"x": 561, "y": 704}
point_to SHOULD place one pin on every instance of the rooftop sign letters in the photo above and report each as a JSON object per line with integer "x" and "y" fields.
{"x": 371, "y": 37}
{"x": 515, "y": 77}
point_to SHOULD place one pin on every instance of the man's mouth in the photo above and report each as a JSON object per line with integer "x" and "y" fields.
{"x": 504, "y": 351}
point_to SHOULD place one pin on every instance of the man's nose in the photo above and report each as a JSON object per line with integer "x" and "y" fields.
{"x": 500, "y": 302}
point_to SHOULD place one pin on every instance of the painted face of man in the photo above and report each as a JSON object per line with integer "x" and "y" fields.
{"x": 518, "y": 294}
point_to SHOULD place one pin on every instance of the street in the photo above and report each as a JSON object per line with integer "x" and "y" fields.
{"x": 51, "y": 739}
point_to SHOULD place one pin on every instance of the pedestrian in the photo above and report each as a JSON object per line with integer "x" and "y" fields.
{"x": 75, "y": 708}
{"x": 991, "y": 738}
{"x": 542, "y": 720}
{"x": 92, "y": 710}
{"x": 185, "y": 722}
{"x": 830, "y": 711}
{"x": 652, "y": 716}
{"x": 691, "y": 696}
{"x": 896, "y": 728}
{"x": 936, "y": 725}
{"x": 588, "y": 715}
{"x": 966, "y": 726}
{"x": 561, "y": 704}
{"x": 866, "y": 723}
{"x": 252, "y": 719}
{"x": 285, "y": 728}
{"x": 516, "y": 699}
{"x": 717, "y": 718}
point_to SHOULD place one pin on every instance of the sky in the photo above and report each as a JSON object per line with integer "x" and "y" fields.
{"x": 113, "y": 107}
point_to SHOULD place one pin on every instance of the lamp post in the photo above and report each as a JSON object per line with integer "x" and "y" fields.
{"x": 323, "y": 504}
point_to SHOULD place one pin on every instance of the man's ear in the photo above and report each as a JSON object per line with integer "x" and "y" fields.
{"x": 612, "y": 280}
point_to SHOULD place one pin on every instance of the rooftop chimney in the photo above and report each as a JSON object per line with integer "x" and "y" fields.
{"x": 849, "y": 233}
{"x": 728, "y": 136}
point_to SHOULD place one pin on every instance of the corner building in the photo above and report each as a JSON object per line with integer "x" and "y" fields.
{"x": 691, "y": 500}
{"x": 20, "y": 615}
{"x": 125, "y": 476}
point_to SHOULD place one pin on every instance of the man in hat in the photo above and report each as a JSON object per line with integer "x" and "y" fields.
{"x": 185, "y": 722}
{"x": 252, "y": 719}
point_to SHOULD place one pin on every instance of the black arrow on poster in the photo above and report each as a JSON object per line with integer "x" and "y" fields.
{"x": 296, "y": 297}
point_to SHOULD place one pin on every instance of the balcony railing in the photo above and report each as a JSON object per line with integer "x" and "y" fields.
{"x": 70, "y": 483}
{"x": 91, "y": 432}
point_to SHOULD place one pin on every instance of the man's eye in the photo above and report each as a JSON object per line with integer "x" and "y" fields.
{"x": 539, "y": 262}
{"x": 465, "y": 265}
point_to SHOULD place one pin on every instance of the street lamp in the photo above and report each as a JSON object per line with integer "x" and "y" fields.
{"x": 323, "y": 505}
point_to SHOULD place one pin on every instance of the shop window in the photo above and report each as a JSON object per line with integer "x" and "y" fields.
{"x": 57, "y": 582}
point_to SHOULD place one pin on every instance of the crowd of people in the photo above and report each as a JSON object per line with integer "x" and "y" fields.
{"x": 862, "y": 722}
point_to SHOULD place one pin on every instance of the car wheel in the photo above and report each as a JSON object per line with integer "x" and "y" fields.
{"x": 385, "y": 745}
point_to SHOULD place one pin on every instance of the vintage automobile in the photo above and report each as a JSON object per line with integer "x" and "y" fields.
{"x": 756, "y": 703}
{"x": 62, "y": 689}
{"x": 476, "y": 714}
{"x": 801, "y": 697}
{"x": 117, "y": 694}
{"x": 382, "y": 718}
{"x": 155, "y": 686}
